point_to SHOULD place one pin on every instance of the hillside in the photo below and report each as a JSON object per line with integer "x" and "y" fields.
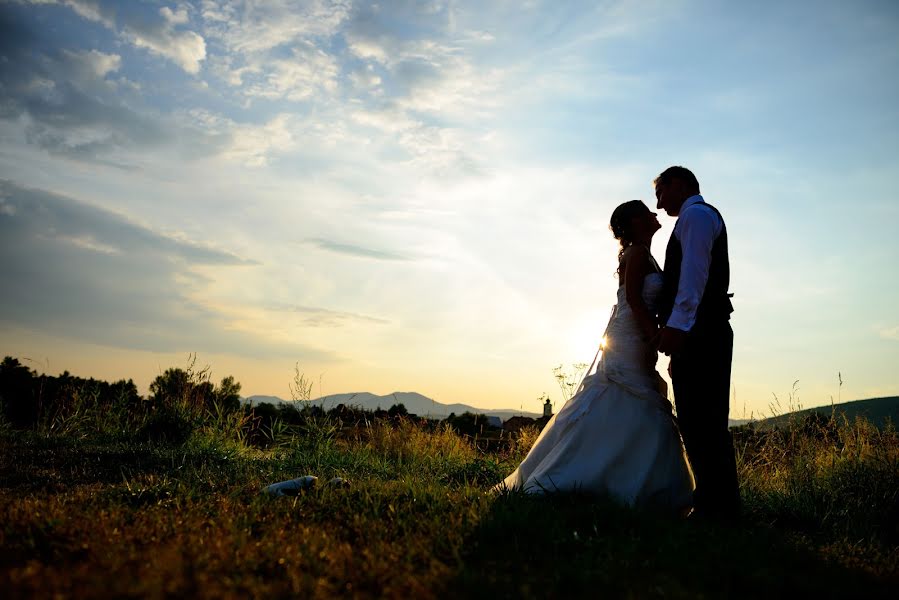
{"x": 879, "y": 411}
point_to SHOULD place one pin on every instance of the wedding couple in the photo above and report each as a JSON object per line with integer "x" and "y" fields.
{"x": 617, "y": 434}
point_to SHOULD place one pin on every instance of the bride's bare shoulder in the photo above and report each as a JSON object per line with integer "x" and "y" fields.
{"x": 635, "y": 254}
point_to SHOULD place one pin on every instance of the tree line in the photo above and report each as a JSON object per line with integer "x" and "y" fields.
{"x": 179, "y": 401}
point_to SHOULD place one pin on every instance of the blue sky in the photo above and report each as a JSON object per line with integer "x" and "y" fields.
{"x": 415, "y": 195}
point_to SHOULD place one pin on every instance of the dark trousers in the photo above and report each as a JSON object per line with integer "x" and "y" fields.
{"x": 701, "y": 378}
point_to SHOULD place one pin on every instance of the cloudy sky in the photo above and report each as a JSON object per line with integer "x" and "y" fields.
{"x": 414, "y": 196}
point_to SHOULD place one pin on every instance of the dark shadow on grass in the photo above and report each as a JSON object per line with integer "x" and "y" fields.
{"x": 576, "y": 545}
{"x": 30, "y": 463}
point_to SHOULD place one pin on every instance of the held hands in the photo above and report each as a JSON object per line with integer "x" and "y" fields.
{"x": 670, "y": 340}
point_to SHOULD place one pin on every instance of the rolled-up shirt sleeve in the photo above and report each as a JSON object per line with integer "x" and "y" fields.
{"x": 696, "y": 229}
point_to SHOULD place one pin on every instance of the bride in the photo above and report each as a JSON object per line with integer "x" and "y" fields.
{"x": 617, "y": 435}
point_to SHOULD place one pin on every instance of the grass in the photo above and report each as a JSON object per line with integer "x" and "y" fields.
{"x": 101, "y": 513}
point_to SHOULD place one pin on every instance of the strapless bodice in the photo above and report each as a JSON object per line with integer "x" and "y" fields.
{"x": 652, "y": 289}
{"x": 626, "y": 356}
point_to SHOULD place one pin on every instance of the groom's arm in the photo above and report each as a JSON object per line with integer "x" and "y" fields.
{"x": 697, "y": 230}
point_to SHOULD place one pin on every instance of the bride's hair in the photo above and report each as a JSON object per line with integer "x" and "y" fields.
{"x": 620, "y": 224}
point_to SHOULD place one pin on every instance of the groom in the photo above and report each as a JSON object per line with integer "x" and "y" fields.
{"x": 696, "y": 333}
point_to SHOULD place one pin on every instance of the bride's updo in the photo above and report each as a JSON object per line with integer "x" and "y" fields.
{"x": 622, "y": 225}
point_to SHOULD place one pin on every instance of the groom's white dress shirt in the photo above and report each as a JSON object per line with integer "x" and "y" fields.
{"x": 697, "y": 228}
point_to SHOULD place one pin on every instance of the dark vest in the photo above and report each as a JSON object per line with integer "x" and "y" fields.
{"x": 715, "y": 304}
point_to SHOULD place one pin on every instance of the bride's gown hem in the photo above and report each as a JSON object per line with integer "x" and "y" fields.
{"x": 616, "y": 436}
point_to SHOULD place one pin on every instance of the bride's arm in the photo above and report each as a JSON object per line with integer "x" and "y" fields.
{"x": 637, "y": 265}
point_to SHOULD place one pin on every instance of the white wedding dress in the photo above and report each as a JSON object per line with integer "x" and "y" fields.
{"x": 616, "y": 435}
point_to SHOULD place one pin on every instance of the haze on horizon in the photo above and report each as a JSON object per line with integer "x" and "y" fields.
{"x": 415, "y": 196}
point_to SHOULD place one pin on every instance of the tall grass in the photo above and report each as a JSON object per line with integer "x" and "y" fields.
{"x": 93, "y": 503}
{"x": 824, "y": 476}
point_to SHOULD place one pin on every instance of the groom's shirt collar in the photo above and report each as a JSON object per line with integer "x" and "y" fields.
{"x": 694, "y": 199}
{"x": 697, "y": 228}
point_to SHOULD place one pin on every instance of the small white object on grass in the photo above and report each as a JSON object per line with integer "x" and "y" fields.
{"x": 291, "y": 487}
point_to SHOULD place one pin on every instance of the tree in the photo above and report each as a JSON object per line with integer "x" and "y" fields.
{"x": 173, "y": 385}
{"x": 124, "y": 392}
{"x": 397, "y": 410}
{"x": 17, "y": 392}
{"x": 193, "y": 390}
{"x": 469, "y": 423}
{"x": 228, "y": 394}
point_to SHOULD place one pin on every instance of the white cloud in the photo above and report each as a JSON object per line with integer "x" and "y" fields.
{"x": 890, "y": 333}
{"x": 223, "y": 67}
{"x": 99, "y": 277}
{"x": 422, "y": 61}
{"x": 443, "y": 151}
{"x": 436, "y": 150}
{"x": 92, "y": 11}
{"x": 307, "y": 73}
{"x": 366, "y": 79}
{"x": 253, "y": 145}
{"x": 90, "y": 70}
{"x": 89, "y": 242}
{"x": 368, "y": 49}
{"x": 178, "y": 17}
{"x": 247, "y": 144}
{"x": 385, "y": 31}
{"x": 66, "y": 103}
{"x": 454, "y": 88}
{"x": 248, "y": 27}
{"x": 184, "y": 47}
{"x": 251, "y": 32}
{"x": 388, "y": 119}
{"x": 408, "y": 49}
{"x": 94, "y": 63}
{"x": 480, "y": 36}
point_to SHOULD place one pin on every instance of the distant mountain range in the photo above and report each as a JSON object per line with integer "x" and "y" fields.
{"x": 876, "y": 410}
{"x": 414, "y": 402}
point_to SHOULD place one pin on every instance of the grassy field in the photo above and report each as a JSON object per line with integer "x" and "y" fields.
{"x": 91, "y": 508}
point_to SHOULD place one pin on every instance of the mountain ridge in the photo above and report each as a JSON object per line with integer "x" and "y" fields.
{"x": 878, "y": 410}
{"x": 415, "y": 403}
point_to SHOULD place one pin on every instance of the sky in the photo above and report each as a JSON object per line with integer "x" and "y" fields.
{"x": 415, "y": 196}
